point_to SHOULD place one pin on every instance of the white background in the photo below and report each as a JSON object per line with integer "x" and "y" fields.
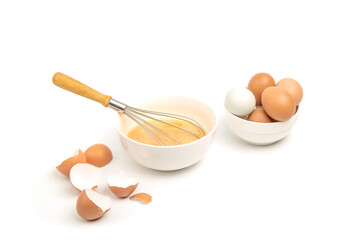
{"x": 304, "y": 187}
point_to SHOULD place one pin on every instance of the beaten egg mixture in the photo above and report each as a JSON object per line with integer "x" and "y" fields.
{"x": 140, "y": 135}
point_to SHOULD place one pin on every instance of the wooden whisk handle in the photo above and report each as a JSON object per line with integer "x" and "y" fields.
{"x": 68, "y": 83}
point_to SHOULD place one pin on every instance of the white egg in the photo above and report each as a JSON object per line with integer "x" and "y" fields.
{"x": 240, "y": 101}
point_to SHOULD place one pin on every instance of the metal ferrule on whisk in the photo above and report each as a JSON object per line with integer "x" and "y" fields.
{"x": 117, "y": 105}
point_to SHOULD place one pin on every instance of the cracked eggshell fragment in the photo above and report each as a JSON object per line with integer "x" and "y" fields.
{"x": 66, "y": 165}
{"x": 84, "y": 175}
{"x": 122, "y": 185}
{"x": 143, "y": 197}
{"x": 91, "y": 205}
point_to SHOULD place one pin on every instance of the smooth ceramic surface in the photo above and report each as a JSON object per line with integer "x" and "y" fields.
{"x": 259, "y": 133}
{"x": 169, "y": 158}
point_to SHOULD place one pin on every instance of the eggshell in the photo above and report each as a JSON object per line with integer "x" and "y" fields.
{"x": 259, "y": 115}
{"x": 278, "y": 103}
{"x": 91, "y": 205}
{"x": 293, "y": 87}
{"x": 98, "y": 155}
{"x": 258, "y": 83}
{"x": 240, "y": 101}
{"x": 122, "y": 185}
{"x": 66, "y": 165}
{"x": 143, "y": 197}
{"x": 83, "y": 176}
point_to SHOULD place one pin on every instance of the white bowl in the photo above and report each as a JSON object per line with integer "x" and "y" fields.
{"x": 168, "y": 158}
{"x": 259, "y": 133}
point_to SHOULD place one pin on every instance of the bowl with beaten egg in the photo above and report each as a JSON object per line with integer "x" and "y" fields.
{"x": 144, "y": 149}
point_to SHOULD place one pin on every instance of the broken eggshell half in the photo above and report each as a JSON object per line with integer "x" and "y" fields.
{"x": 122, "y": 185}
{"x": 67, "y": 164}
{"x": 98, "y": 155}
{"x": 85, "y": 176}
{"x": 91, "y": 205}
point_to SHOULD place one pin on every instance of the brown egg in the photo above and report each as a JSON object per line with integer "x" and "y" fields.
{"x": 98, "y": 155}
{"x": 66, "y": 165}
{"x": 293, "y": 87}
{"x": 259, "y": 115}
{"x": 278, "y": 103}
{"x": 258, "y": 83}
{"x": 91, "y": 205}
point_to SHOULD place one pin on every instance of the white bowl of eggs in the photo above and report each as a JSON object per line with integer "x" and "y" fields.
{"x": 265, "y": 111}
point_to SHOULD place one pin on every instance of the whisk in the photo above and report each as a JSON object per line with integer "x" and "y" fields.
{"x": 139, "y": 116}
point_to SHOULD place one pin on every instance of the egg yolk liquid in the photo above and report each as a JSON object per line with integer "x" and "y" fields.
{"x": 138, "y": 134}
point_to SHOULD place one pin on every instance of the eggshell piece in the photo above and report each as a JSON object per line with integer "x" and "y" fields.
{"x": 143, "y": 197}
{"x": 278, "y": 103}
{"x": 258, "y": 83}
{"x": 122, "y": 185}
{"x": 240, "y": 101}
{"x": 66, "y": 165}
{"x": 98, "y": 155}
{"x": 293, "y": 87}
{"x": 85, "y": 176}
{"x": 91, "y": 205}
{"x": 259, "y": 115}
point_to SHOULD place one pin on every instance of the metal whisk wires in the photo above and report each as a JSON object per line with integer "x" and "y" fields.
{"x": 141, "y": 116}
